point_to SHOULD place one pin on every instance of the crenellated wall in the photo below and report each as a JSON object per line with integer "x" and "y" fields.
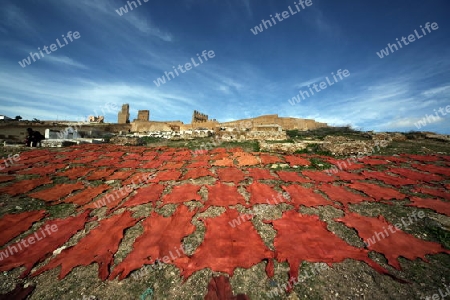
{"x": 143, "y": 115}
{"x": 285, "y": 123}
{"x": 198, "y": 117}
{"x": 202, "y": 121}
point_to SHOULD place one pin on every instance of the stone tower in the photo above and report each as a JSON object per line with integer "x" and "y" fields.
{"x": 143, "y": 115}
{"x": 124, "y": 114}
{"x": 198, "y": 117}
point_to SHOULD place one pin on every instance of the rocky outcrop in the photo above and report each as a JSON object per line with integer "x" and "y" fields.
{"x": 287, "y": 148}
{"x": 266, "y": 135}
{"x": 125, "y": 140}
{"x": 439, "y": 137}
{"x": 343, "y": 146}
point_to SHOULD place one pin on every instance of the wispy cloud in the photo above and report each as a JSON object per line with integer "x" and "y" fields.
{"x": 81, "y": 97}
{"x": 13, "y": 19}
{"x": 248, "y": 7}
{"x": 145, "y": 26}
{"x": 309, "y": 82}
{"x": 224, "y": 89}
{"x": 437, "y": 91}
{"x": 409, "y": 123}
{"x": 118, "y": 57}
{"x": 317, "y": 20}
{"x": 64, "y": 60}
{"x": 104, "y": 12}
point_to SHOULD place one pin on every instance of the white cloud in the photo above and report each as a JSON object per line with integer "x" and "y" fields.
{"x": 73, "y": 97}
{"x": 15, "y": 19}
{"x": 437, "y": 91}
{"x": 146, "y": 27}
{"x": 104, "y": 12}
{"x": 247, "y": 6}
{"x": 64, "y": 60}
{"x": 316, "y": 19}
{"x": 410, "y": 123}
{"x": 224, "y": 89}
{"x": 308, "y": 82}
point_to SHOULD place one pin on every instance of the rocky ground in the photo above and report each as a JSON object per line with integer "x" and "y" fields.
{"x": 261, "y": 189}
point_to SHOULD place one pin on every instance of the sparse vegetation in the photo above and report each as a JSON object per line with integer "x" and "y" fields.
{"x": 314, "y": 149}
{"x": 107, "y": 137}
{"x": 321, "y": 133}
{"x": 414, "y": 135}
{"x": 421, "y": 146}
{"x": 146, "y": 140}
{"x": 283, "y": 141}
{"x": 319, "y": 164}
{"x": 440, "y": 235}
{"x": 252, "y": 146}
{"x": 5, "y": 151}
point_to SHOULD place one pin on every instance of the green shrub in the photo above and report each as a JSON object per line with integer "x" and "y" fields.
{"x": 414, "y": 135}
{"x": 149, "y": 140}
{"x": 315, "y": 149}
{"x": 293, "y": 133}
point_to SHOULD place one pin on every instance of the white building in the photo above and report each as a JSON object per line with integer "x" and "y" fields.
{"x": 3, "y": 117}
{"x": 67, "y": 133}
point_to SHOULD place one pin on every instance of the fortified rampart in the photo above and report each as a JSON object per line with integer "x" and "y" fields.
{"x": 285, "y": 123}
{"x": 148, "y": 126}
{"x": 201, "y": 121}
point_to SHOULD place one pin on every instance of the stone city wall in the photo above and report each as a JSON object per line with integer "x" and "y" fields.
{"x": 146, "y": 126}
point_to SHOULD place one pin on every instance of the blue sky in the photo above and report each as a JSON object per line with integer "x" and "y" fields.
{"x": 117, "y": 58}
